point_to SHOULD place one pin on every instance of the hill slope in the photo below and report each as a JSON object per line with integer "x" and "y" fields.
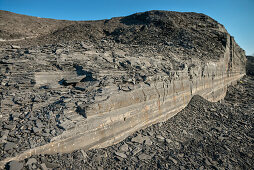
{"x": 16, "y": 26}
{"x": 187, "y": 32}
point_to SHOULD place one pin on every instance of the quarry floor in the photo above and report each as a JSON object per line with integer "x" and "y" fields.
{"x": 204, "y": 135}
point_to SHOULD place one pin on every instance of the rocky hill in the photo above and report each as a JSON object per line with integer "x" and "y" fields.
{"x": 67, "y": 85}
{"x": 16, "y": 26}
{"x": 189, "y": 32}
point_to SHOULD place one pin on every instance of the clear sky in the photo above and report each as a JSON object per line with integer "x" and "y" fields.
{"x": 236, "y": 15}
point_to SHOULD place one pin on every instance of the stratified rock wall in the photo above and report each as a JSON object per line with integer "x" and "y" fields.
{"x": 98, "y": 93}
{"x": 113, "y": 119}
{"x": 250, "y": 65}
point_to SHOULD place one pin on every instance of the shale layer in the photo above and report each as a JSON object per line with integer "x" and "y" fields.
{"x": 90, "y": 84}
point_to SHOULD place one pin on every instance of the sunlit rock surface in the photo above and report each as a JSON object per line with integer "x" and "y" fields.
{"x": 90, "y": 84}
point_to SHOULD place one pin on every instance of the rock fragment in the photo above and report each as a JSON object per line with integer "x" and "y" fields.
{"x": 144, "y": 157}
{"x": 31, "y": 161}
{"x": 15, "y": 47}
{"x": 9, "y": 146}
{"x": 43, "y": 166}
{"x": 15, "y": 165}
{"x": 136, "y": 150}
{"x": 169, "y": 141}
{"x": 36, "y": 130}
{"x": 124, "y": 147}
{"x": 172, "y": 159}
{"x": 138, "y": 139}
{"x": 10, "y": 126}
{"x": 160, "y": 138}
{"x": 122, "y": 155}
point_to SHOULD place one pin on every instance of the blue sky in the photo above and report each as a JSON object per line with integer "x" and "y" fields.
{"x": 236, "y": 15}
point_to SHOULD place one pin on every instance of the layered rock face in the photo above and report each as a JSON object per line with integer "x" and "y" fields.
{"x": 91, "y": 84}
{"x": 250, "y": 65}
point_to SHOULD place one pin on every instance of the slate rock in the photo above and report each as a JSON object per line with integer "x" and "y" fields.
{"x": 9, "y": 127}
{"x": 51, "y": 165}
{"x": 45, "y": 134}
{"x": 144, "y": 157}
{"x": 81, "y": 86}
{"x": 15, "y": 47}
{"x": 43, "y": 166}
{"x": 172, "y": 159}
{"x": 9, "y": 146}
{"x": 30, "y": 51}
{"x": 72, "y": 80}
{"x": 207, "y": 162}
{"x": 39, "y": 124}
{"x": 31, "y": 161}
{"x": 15, "y": 165}
{"x": 138, "y": 139}
{"x": 36, "y": 130}
{"x": 59, "y": 51}
{"x": 148, "y": 141}
{"x": 168, "y": 141}
{"x": 160, "y": 138}
{"x": 122, "y": 155}
{"x": 4, "y": 135}
{"x": 136, "y": 150}
{"x": 99, "y": 168}
{"x": 124, "y": 148}
{"x": 84, "y": 154}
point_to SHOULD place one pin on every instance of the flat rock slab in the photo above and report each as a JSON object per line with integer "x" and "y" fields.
{"x": 15, "y": 165}
{"x": 9, "y": 146}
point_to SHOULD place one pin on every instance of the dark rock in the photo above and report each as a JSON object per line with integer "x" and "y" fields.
{"x": 207, "y": 162}
{"x": 72, "y": 80}
{"x": 4, "y": 135}
{"x": 9, "y": 146}
{"x": 10, "y": 127}
{"x": 172, "y": 159}
{"x": 250, "y": 65}
{"x": 15, "y": 165}
{"x": 143, "y": 51}
{"x": 99, "y": 168}
{"x": 51, "y": 165}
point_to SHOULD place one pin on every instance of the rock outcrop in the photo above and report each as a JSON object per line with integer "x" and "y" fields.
{"x": 91, "y": 84}
{"x": 250, "y": 65}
